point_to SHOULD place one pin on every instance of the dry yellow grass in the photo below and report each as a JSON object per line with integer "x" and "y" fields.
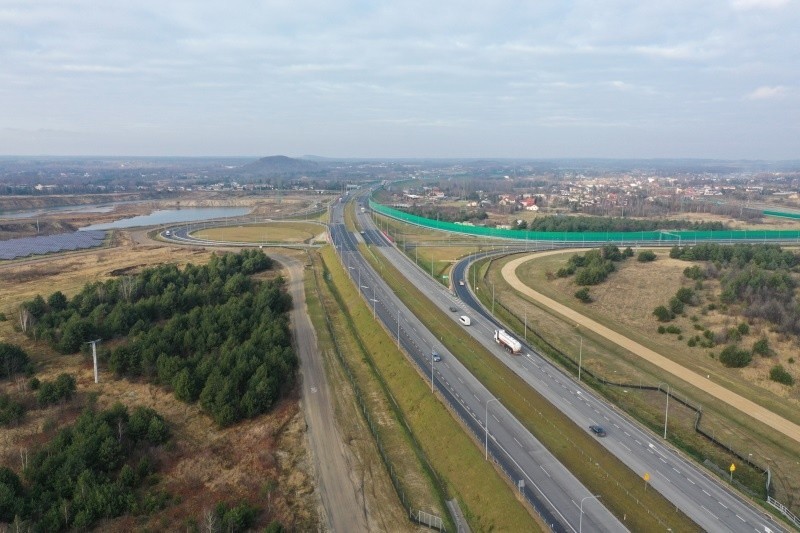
{"x": 286, "y": 232}
{"x": 620, "y": 310}
{"x": 263, "y": 461}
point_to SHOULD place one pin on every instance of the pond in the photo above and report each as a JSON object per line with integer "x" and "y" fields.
{"x": 171, "y": 216}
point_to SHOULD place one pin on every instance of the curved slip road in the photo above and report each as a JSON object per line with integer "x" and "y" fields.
{"x": 748, "y": 407}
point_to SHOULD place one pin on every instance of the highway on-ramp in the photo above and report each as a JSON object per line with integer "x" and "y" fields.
{"x": 714, "y": 506}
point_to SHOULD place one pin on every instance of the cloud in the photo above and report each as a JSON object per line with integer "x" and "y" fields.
{"x": 766, "y": 92}
{"x": 744, "y": 5}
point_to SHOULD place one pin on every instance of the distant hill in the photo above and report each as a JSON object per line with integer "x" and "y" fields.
{"x": 280, "y": 165}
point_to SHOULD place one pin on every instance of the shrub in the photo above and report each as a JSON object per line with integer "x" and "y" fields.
{"x": 51, "y": 392}
{"x": 565, "y": 272}
{"x": 673, "y": 329}
{"x": 791, "y": 360}
{"x": 583, "y": 295}
{"x": 11, "y": 412}
{"x": 712, "y": 306}
{"x": 686, "y": 295}
{"x": 779, "y": 374}
{"x": 662, "y": 314}
{"x": 743, "y": 328}
{"x": 692, "y": 342}
{"x": 693, "y": 272}
{"x": 627, "y": 252}
{"x": 676, "y": 306}
{"x": 646, "y": 256}
{"x": 761, "y": 347}
{"x": 3, "y": 317}
{"x": 699, "y": 327}
{"x": 662, "y": 330}
{"x": 734, "y": 357}
{"x": 13, "y": 360}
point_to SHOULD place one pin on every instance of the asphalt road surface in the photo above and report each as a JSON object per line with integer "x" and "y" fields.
{"x": 552, "y": 489}
{"x": 707, "y": 501}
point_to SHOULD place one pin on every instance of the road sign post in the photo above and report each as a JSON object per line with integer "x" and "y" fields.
{"x": 646, "y": 477}
{"x": 732, "y": 468}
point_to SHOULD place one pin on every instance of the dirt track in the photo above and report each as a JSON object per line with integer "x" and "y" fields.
{"x": 341, "y": 495}
{"x": 744, "y": 405}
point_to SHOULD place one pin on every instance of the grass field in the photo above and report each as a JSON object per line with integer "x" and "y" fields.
{"x": 621, "y": 489}
{"x": 615, "y": 308}
{"x": 283, "y": 232}
{"x": 487, "y": 501}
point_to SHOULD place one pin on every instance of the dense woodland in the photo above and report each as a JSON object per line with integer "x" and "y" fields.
{"x": 96, "y": 468}
{"x": 210, "y": 333}
{"x": 757, "y": 277}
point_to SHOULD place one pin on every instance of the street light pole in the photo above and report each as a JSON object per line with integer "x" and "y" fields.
{"x": 486, "y": 427}
{"x": 431, "y": 369}
{"x": 526, "y": 325}
{"x": 580, "y": 358}
{"x": 580, "y": 520}
{"x": 398, "y": 327}
{"x": 666, "y": 413}
{"x": 492, "y": 297}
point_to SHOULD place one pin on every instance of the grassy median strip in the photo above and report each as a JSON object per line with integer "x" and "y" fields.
{"x": 622, "y": 489}
{"x": 487, "y": 501}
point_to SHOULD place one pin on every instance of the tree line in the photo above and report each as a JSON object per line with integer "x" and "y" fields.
{"x": 613, "y": 224}
{"x": 210, "y": 333}
{"x": 758, "y": 277}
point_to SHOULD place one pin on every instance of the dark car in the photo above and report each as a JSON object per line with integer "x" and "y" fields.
{"x": 454, "y": 309}
{"x": 598, "y": 430}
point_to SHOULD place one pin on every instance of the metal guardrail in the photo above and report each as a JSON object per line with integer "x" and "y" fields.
{"x": 784, "y": 511}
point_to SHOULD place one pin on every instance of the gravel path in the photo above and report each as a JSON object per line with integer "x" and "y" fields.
{"x": 341, "y": 494}
{"x": 747, "y": 407}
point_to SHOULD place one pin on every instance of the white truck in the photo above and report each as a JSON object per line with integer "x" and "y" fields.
{"x": 504, "y": 339}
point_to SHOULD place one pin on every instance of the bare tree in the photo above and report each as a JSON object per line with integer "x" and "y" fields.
{"x": 210, "y": 521}
{"x": 126, "y": 285}
{"x": 25, "y": 318}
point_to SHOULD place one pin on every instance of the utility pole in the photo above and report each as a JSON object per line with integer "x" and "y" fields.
{"x": 580, "y": 358}
{"x": 94, "y": 357}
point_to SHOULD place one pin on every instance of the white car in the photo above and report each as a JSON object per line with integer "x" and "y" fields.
{"x": 461, "y": 282}
{"x": 464, "y": 319}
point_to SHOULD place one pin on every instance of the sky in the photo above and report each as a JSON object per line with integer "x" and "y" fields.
{"x": 385, "y": 79}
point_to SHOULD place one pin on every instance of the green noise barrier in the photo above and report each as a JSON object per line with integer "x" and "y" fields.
{"x": 679, "y": 237}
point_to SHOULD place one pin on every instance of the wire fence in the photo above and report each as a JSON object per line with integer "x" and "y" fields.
{"x": 697, "y": 409}
{"x": 417, "y": 516}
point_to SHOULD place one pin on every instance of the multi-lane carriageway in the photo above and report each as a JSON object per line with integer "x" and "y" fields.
{"x": 712, "y": 505}
{"x": 555, "y": 493}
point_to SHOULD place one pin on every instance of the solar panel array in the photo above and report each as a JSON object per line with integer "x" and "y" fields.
{"x": 51, "y": 243}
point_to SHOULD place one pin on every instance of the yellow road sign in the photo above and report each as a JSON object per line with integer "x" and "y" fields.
{"x": 732, "y": 468}
{"x": 647, "y": 476}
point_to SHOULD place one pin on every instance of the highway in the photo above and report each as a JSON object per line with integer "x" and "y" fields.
{"x": 555, "y": 493}
{"x": 707, "y": 501}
